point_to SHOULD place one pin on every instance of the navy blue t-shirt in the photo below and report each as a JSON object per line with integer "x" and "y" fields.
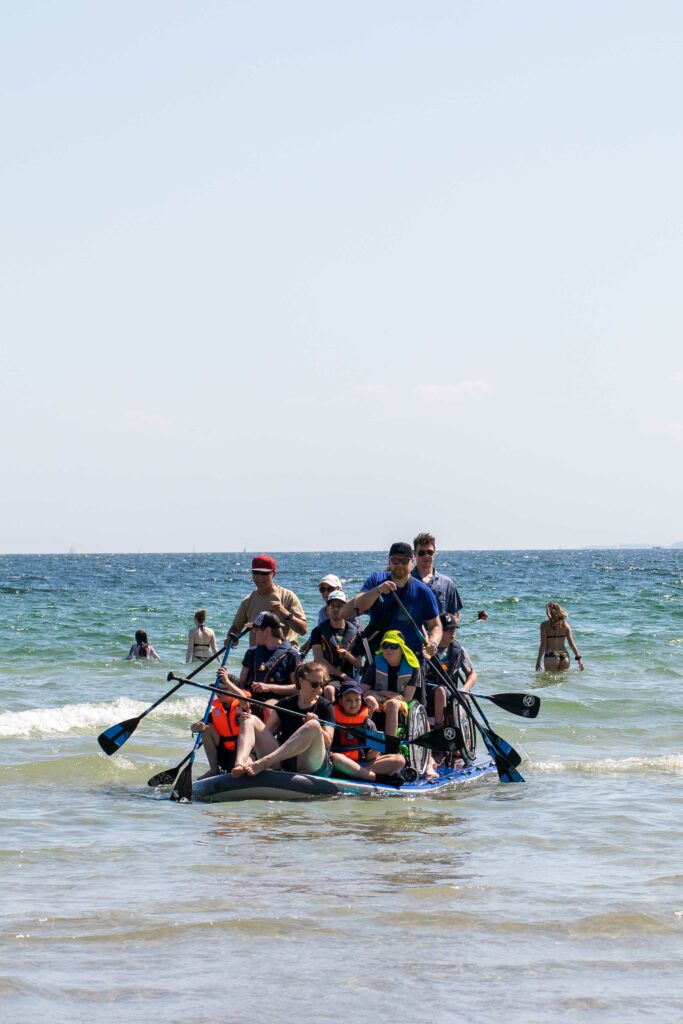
{"x": 271, "y": 666}
{"x": 419, "y": 602}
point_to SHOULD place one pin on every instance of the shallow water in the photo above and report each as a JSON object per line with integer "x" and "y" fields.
{"x": 558, "y": 898}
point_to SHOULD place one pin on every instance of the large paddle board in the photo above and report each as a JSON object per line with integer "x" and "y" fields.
{"x": 279, "y": 785}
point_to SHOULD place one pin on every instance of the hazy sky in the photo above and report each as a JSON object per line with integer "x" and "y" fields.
{"x": 314, "y": 275}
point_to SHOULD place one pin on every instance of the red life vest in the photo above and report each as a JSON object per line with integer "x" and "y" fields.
{"x": 344, "y": 740}
{"x": 225, "y": 721}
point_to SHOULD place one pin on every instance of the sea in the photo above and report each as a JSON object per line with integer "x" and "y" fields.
{"x": 557, "y": 899}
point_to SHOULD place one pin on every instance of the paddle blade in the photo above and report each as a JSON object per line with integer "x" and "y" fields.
{"x": 443, "y": 740}
{"x": 182, "y": 791}
{"x": 168, "y": 777}
{"x": 503, "y": 748}
{"x": 116, "y": 735}
{"x": 507, "y": 772}
{"x": 526, "y": 705}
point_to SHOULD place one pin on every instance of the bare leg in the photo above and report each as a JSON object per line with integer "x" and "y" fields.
{"x": 307, "y": 745}
{"x": 210, "y": 740}
{"x": 439, "y": 705}
{"x": 391, "y": 710}
{"x": 347, "y": 766}
{"x": 253, "y": 733}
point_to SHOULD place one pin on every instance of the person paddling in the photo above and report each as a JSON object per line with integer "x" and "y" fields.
{"x": 219, "y": 734}
{"x": 268, "y": 667}
{"x": 284, "y": 741}
{"x": 375, "y": 600}
{"x": 336, "y": 643}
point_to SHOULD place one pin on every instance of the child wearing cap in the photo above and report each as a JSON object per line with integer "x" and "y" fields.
{"x": 347, "y": 754}
{"x": 456, "y": 663}
{"x": 394, "y": 679}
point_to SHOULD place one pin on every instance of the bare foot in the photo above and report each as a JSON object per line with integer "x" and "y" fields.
{"x": 239, "y": 769}
{"x": 255, "y": 767}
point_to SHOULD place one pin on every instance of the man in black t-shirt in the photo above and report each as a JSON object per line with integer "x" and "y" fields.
{"x": 294, "y": 742}
{"x": 336, "y": 643}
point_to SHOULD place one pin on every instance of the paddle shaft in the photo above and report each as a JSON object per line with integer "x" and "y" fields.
{"x": 363, "y": 734}
{"x": 487, "y": 734}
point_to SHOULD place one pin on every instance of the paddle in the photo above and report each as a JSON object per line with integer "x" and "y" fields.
{"x": 182, "y": 790}
{"x": 168, "y": 775}
{"x": 367, "y": 737}
{"x": 526, "y": 705}
{"x": 113, "y": 738}
{"x": 500, "y": 750}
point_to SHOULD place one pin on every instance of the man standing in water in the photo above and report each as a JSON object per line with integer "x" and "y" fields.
{"x": 269, "y": 597}
{"x": 376, "y": 600}
{"x": 442, "y": 587}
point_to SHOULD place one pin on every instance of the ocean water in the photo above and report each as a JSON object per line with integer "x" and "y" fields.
{"x": 558, "y": 899}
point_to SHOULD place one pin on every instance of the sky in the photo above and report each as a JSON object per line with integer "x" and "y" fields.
{"x": 320, "y": 276}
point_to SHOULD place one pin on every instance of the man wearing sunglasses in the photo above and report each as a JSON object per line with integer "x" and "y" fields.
{"x": 288, "y": 741}
{"x": 376, "y": 600}
{"x": 442, "y": 587}
{"x": 267, "y": 596}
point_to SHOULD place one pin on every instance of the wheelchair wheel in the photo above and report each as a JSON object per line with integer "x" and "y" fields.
{"x": 417, "y": 724}
{"x": 461, "y": 719}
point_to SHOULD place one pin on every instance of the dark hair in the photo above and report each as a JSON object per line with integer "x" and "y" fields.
{"x": 200, "y": 616}
{"x": 424, "y": 538}
{"x": 142, "y": 642}
{"x": 303, "y": 670}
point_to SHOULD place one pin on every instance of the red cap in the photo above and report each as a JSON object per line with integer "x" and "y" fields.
{"x": 264, "y": 562}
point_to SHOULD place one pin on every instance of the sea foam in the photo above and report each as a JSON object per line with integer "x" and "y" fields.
{"x": 84, "y": 718}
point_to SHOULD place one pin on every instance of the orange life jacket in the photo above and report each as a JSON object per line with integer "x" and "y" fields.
{"x": 344, "y": 740}
{"x": 225, "y": 720}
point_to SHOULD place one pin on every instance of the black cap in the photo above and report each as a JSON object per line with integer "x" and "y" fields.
{"x": 448, "y": 621}
{"x": 264, "y": 620}
{"x": 401, "y": 548}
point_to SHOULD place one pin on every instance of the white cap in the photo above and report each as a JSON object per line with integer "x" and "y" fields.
{"x": 336, "y": 595}
{"x": 332, "y": 580}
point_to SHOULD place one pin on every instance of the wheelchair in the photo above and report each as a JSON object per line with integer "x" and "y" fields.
{"x": 457, "y": 716}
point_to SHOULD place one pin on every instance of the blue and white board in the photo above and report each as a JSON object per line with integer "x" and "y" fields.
{"x": 278, "y": 785}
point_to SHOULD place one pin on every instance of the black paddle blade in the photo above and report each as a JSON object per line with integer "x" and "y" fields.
{"x": 526, "y": 705}
{"x": 182, "y": 791}
{"x": 116, "y": 735}
{"x": 507, "y": 772}
{"x": 503, "y": 748}
{"x": 168, "y": 777}
{"x": 395, "y": 781}
{"x": 443, "y": 740}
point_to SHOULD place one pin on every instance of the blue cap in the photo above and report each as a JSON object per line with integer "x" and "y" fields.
{"x": 350, "y": 686}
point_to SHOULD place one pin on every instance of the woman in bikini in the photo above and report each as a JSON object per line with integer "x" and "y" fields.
{"x": 201, "y": 643}
{"x": 554, "y": 631}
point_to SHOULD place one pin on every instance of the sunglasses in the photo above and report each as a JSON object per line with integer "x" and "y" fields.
{"x": 324, "y": 589}
{"x": 314, "y": 686}
{"x": 424, "y": 551}
{"x": 400, "y": 561}
{"x": 391, "y": 647}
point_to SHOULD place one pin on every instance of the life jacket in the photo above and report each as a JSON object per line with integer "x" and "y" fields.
{"x": 266, "y": 663}
{"x": 225, "y": 721}
{"x": 403, "y": 678}
{"x": 450, "y": 660}
{"x": 345, "y": 742}
{"x": 334, "y": 641}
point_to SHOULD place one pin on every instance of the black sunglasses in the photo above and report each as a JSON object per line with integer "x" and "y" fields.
{"x": 424, "y": 551}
